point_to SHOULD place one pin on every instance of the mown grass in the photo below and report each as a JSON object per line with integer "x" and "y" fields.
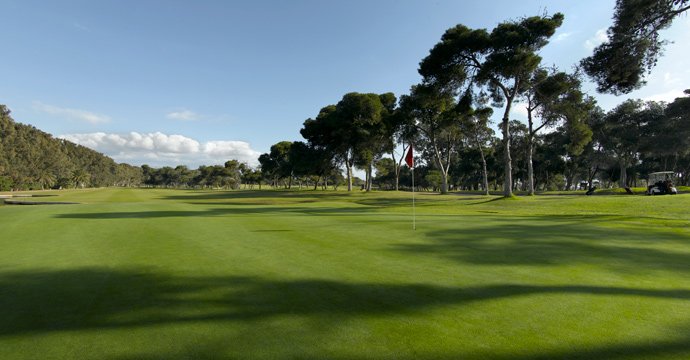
{"x": 184, "y": 274}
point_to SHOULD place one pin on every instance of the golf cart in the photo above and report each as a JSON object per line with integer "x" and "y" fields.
{"x": 661, "y": 183}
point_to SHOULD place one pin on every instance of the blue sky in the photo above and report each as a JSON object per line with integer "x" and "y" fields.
{"x": 202, "y": 82}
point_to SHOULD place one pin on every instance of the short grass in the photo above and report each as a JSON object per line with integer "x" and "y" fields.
{"x": 180, "y": 274}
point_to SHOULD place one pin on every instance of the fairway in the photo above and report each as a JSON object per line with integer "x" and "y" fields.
{"x": 190, "y": 274}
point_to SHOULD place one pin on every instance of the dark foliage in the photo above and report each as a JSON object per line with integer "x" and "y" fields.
{"x": 33, "y": 159}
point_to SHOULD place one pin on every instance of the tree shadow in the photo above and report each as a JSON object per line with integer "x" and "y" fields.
{"x": 671, "y": 349}
{"x": 44, "y": 301}
{"x": 289, "y": 197}
{"x": 553, "y": 240}
{"x": 304, "y": 195}
{"x": 678, "y": 348}
{"x": 48, "y": 301}
{"x": 235, "y": 210}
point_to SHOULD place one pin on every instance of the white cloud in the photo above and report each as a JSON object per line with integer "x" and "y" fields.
{"x": 158, "y": 149}
{"x": 598, "y": 38}
{"x": 184, "y": 115}
{"x": 71, "y": 114}
{"x": 667, "y": 97}
{"x": 223, "y": 149}
{"x": 562, "y": 37}
{"x": 671, "y": 79}
{"x": 519, "y": 109}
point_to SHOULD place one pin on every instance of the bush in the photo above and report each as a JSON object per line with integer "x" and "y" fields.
{"x": 6, "y": 184}
{"x": 556, "y": 182}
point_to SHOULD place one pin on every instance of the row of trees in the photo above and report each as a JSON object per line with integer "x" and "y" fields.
{"x": 236, "y": 175}
{"x": 640, "y": 137}
{"x": 231, "y": 175}
{"x": 644, "y": 137}
{"x": 447, "y": 116}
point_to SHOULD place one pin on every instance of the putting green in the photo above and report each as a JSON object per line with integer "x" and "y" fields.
{"x": 191, "y": 274}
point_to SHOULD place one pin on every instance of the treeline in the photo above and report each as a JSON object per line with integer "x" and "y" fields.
{"x": 566, "y": 140}
{"x": 229, "y": 176}
{"x": 639, "y": 136}
{"x": 32, "y": 159}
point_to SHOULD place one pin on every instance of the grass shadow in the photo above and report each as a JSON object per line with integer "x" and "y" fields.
{"x": 554, "y": 240}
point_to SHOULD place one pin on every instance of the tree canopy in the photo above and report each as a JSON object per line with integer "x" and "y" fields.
{"x": 351, "y": 130}
{"x": 501, "y": 62}
{"x": 619, "y": 65}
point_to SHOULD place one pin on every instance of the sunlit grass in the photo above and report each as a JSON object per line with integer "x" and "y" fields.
{"x": 155, "y": 274}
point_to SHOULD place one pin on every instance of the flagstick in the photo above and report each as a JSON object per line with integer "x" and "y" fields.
{"x": 409, "y": 159}
{"x": 414, "y": 226}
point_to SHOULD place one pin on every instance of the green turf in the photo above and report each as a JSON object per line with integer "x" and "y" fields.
{"x": 183, "y": 274}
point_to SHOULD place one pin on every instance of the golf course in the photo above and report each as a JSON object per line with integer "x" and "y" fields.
{"x": 130, "y": 273}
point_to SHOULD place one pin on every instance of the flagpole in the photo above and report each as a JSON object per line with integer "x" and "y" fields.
{"x": 414, "y": 225}
{"x": 409, "y": 159}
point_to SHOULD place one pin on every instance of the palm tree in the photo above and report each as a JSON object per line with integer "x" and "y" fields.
{"x": 46, "y": 179}
{"x": 79, "y": 177}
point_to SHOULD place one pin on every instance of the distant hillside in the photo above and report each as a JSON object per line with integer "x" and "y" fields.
{"x": 32, "y": 159}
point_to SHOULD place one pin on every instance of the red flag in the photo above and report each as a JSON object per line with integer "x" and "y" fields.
{"x": 409, "y": 159}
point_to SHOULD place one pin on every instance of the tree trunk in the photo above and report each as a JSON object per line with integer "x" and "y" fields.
{"x": 507, "y": 160}
{"x": 530, "y": 168}
{"x": 591, "y": 175}
{"x": 348, "y": 164}
{"x": 486, "y": 176}
{"x": 444, "y": 170}
{"x": 367, "y": 176}
{"x": 398, "y": 165}
{"x": 665, "y": 163}
{"x": 624, "y": 176}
